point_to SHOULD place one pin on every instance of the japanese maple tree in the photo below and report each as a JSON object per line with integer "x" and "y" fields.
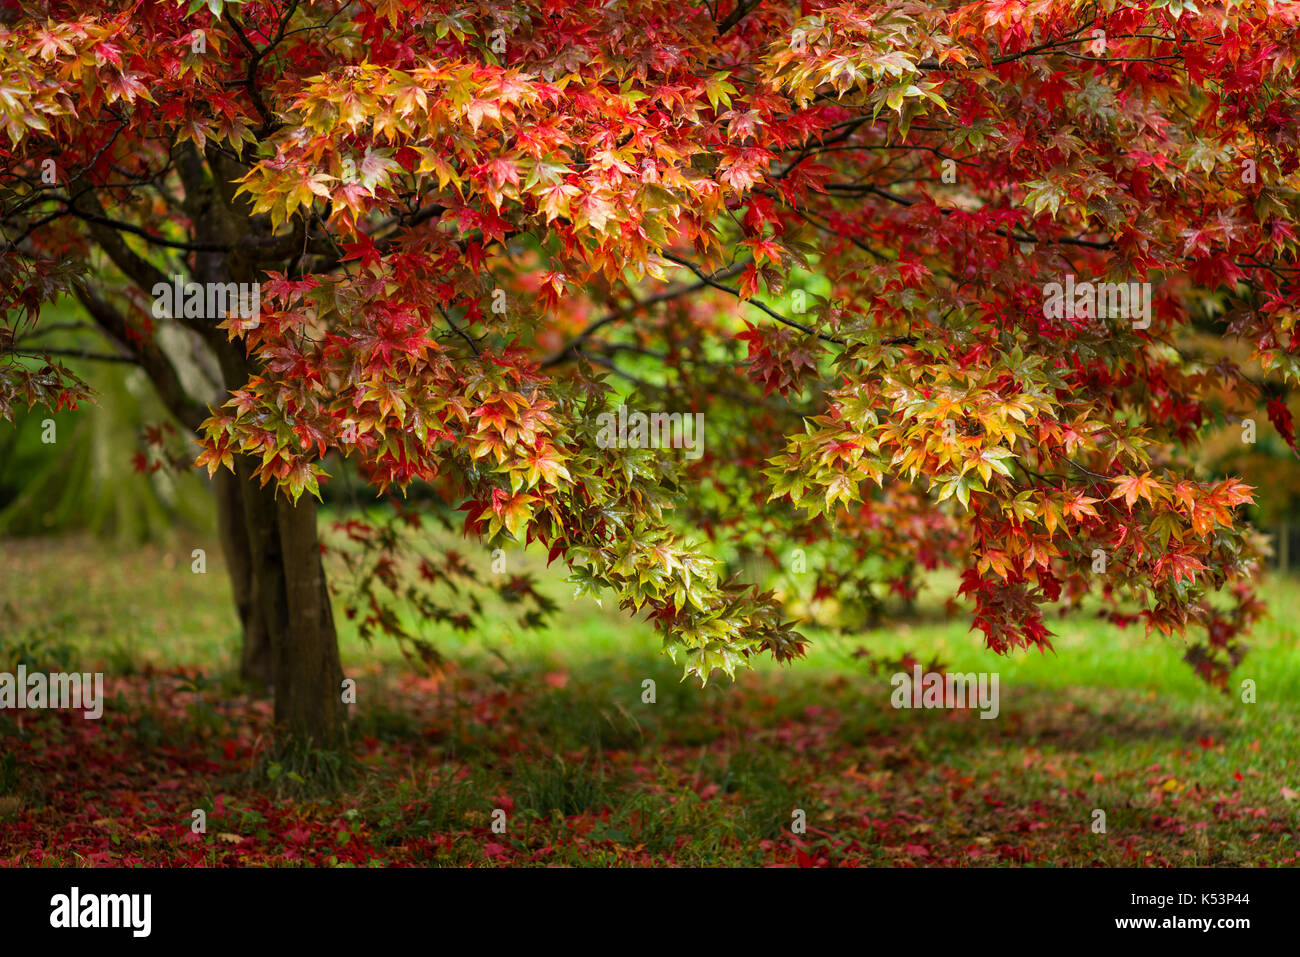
{"x": 829, "y": 227}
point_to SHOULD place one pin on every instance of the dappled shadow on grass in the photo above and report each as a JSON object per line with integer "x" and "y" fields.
{"x": 1101, "y": 719}
{"x": 1077, "y": 719}
{"x": 576, "y": 766}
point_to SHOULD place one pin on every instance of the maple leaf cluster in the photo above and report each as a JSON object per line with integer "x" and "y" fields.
{"x": 827, "y": 226}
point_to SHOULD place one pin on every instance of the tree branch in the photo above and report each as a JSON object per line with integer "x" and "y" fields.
{"x": 743, "y": 9}
{"x": 667, "y": 295}
{"x": 710, "y": 281}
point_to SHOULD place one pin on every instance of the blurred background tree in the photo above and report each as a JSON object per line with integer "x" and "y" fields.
{"x": 1253, "y": 435}
{"x": 100, "y": 475}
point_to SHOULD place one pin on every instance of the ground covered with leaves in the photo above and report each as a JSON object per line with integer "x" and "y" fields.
{"x": 557, "y": 735}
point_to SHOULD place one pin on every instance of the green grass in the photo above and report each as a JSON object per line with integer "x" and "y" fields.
{"x": 135, "y": 608}
{"x": 551, "y": 727}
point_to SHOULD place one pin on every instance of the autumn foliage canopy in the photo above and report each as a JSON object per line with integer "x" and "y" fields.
{"x": 828, "y": 227}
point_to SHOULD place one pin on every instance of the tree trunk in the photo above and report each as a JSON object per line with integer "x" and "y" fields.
{"x": 308, "y": 673}
{"x": 255, "y": 660}
{"x": 271, "y": 546}
{"x": 290, "y": 644}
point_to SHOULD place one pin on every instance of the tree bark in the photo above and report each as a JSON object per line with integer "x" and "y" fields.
{"x": 255, "y": 658}
{"x": 290, "y": 643}
{"x": 308, "y": 674}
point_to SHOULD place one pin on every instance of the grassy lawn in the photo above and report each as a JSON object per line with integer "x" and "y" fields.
{"x": 551, "y": 729}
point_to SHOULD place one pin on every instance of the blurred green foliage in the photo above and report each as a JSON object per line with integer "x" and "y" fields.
{"x": 85, "y": 480}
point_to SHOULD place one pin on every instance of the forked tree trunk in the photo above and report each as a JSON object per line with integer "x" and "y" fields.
{"x": 290, "y": 644}
{"x": 270, "y": 545}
